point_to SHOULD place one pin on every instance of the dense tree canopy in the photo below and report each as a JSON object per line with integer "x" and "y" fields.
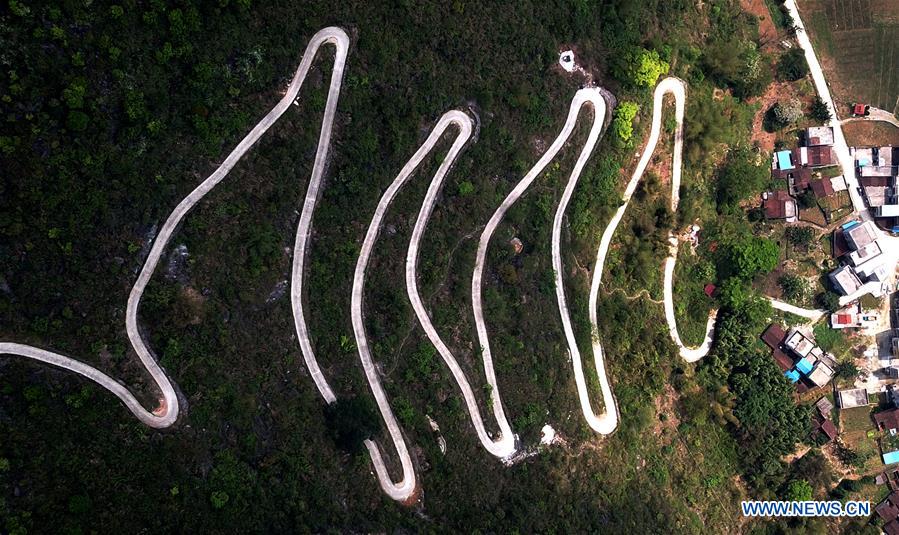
{"x": 641, "y": 67}
{"x": 743, "y": 174}
{"x": 792, "y": 65}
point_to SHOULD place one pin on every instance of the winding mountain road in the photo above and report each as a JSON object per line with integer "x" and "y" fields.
{"x": 404, "y": 489}
{"x": 607, "y": 421}
{"x": 167, "y": 412}
{"x": 504, "y": 445}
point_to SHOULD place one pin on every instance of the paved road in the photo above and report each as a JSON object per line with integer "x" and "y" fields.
{"x": 810, "y": 314}
{"x": 841, "y": 149}
{"x": 406, "y": 486}
{"x": 607, "y": 421}
{"x": 167, "y": 412}
{"x": 504, "y": 445}
{"x": 677, "y": 89}
{"x": 339, "y": 38}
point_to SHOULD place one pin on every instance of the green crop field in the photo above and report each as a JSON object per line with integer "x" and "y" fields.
{"x": 858, "y": 41}
{"x": 886, "y": 52}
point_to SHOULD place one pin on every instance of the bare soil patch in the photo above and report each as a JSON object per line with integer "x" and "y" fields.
{"x": 868, "y": 133}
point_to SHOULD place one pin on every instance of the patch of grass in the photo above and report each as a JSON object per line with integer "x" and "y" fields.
{"x": 869, "y": 302}
{"x": 830, "y": 340}
{"x": 856, "y": 419}
{"x": 820, "y": 30}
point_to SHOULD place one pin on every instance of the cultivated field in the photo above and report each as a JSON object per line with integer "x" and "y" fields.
{"x": 858, "y": 44}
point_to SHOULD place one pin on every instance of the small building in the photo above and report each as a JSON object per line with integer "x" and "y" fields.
{"x": 819, "y": 135}
{"x": 793, "y": 376}
{"x": 846, "y": 317}
{"x": 780, "y": 205}
{"x": 861, "y": 235}
{"x": 838, "y": 183}
{"x": 825, "y": 407}
{"x": 829, "y": 430}
{"x": 864, "y": 254}
{"x": 887, "y": 210}
{"x": 855, "y": 397}
{"x": 845, "y": 280}
{"x": 874, "y": 270}
{"x": 799, "y": 344}
{"x": 783, "y": 361}
{"x": 840, "y": 245}
{"x": 774, "y": 336}
{"x": 888, "y": 510}
{"x": 887, "y": 421}
{"x": 822, "y": 156}
{"x": 822, "y": 187}
{"x": 805, "y": 365}
{"x": 783, "y": 160}
{"x": 893, "y": 394}
{"x": 821, "y": 374}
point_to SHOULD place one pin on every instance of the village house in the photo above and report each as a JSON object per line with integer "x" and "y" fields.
{"x": 796, "y": 166}
{"x": 853, "y": 397}
{"x": 802, "y": 362}
{"x": 888, "y": 510}
{"x": 852, "y": 317}
{"x": 877, "y": 172}
{"x": 780, "y": 205}
{"x": 861, "y": 256}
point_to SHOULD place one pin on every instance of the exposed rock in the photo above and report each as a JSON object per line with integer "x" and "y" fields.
{"x": 176, "y": 268}
{"x": 278, "y": 292}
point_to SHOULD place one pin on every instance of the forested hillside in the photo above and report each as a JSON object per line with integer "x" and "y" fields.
{"x": 113, "y": 112}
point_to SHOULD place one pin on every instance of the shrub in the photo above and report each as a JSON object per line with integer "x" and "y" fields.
{"x": 623, "y": 124}
{"x": 466, "y": 188}
{"x": 640, "y": 67}
{"x": 829, "y": 300}
{"x": 741, "y": 176}
{"x": 753, "y": 255}
{"x": 795, "y": 288}
{"x": 800, "y": 236}
{"x": 799, "y": 490}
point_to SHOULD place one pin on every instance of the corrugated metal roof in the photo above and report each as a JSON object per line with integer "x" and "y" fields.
{"x": 804, "y": 366}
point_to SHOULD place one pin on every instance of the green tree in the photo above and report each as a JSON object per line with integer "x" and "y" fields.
{"x": 792, "y": 65}
{"x": 77, "y": 121}
{"x": 799, "y": 490}
{"x": 830, "y": 300}
{"x": 742, "y": 175}
{"x": 623, "y": 124}
{"x": 640, "y": 67}
{"x": 752, "y": 255}
{"x": 846, "y": 370}
{"x": 795, "y": 288}
{"x": 820, "y": 111}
